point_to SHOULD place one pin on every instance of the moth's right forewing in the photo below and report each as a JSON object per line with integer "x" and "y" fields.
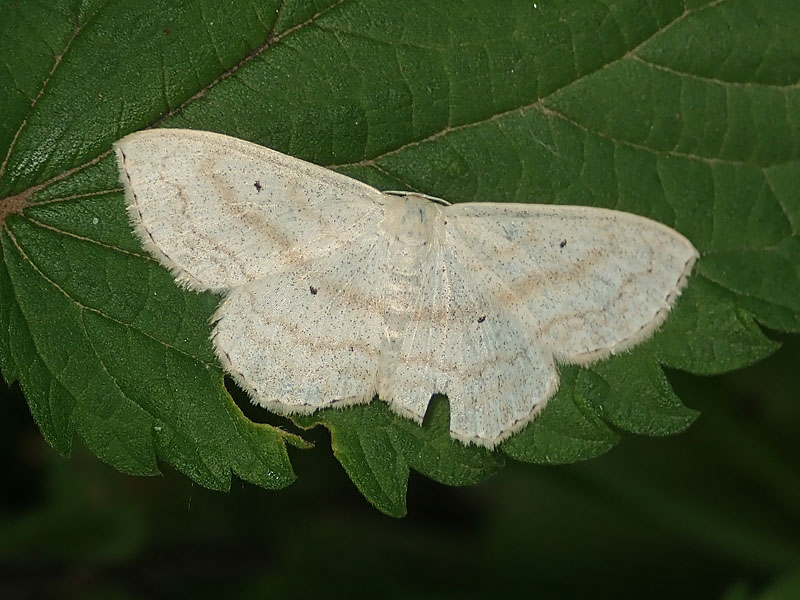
{"x": 591, "y": 281}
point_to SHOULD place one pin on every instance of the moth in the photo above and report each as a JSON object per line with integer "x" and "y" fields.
{"x": 335, "y": 293}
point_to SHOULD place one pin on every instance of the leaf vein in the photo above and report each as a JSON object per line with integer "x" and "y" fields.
{"x": 536, "y": 103}
{"x": 57, "y": 60}
{"x": 715, "y": 80}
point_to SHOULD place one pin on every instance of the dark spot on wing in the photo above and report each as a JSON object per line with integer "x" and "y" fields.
{"x": 313, "y": 290}
{"x": 563, "y": 243}
{"x": 258, "y": 186}
{"x": 482, "y": 319}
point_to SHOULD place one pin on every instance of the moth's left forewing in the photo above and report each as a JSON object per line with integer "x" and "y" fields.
{"x": 593, "y": 281}
{"x": 220, "y": 212}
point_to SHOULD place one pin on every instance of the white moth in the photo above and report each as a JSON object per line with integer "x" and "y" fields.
{"x": 335, "y": 292}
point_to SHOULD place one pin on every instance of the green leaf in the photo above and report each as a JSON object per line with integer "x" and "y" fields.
{"x": 687, "y": 112}
{"x": 570, "y": 428}
{"x": 376, "y": 448}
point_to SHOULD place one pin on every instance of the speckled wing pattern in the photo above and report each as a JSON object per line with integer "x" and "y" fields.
{"x": 335, "y": 292}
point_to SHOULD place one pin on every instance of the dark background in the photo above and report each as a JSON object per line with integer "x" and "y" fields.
{"x": 711, "y": 513}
